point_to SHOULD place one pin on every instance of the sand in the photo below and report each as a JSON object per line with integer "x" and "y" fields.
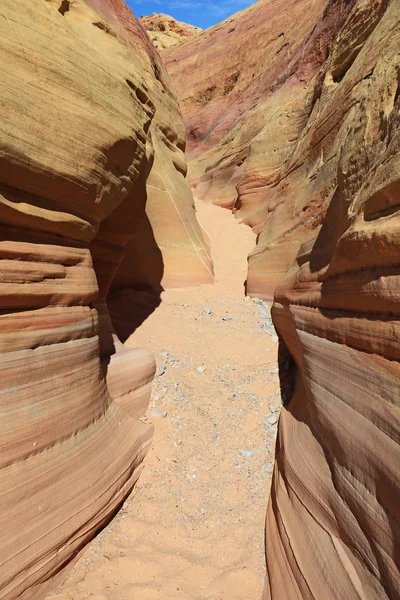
{"x": 194, "y": 526}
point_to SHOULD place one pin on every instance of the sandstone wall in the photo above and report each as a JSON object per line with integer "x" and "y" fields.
{"x": 87, "y": 116}
{"x": 333, "y": 518}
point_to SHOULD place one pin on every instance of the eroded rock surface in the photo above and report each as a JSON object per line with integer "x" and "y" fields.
{"x": 164, "y": 31}
{"x": 244, "y": 116}
{"x": 333, "y": 519}
{"x": 81, "y": 85}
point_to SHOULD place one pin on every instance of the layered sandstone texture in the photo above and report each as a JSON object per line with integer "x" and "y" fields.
{"x": 245, "y": 88}
{"x": 84, "y": 133}
{"x": 333, "y": 520}
{"x": 164, "y": 31}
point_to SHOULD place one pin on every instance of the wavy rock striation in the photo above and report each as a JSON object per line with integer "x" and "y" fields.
{"x": 333, "y": 518}
{"x": 85, "y": 136}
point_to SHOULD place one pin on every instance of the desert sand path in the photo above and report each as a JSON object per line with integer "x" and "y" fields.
{"x": 194, "y": 526}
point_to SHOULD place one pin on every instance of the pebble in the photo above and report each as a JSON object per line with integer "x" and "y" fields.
{"x": 159, "y": 413}
{"x": 201, "y": 369}
{"x": 158, "y": 397}
{"x": 271, "y": 420}
{"x": 208, "y": 311}
{"x": 263, "y": 313}
{"x": 164, "y": 354}
{"x": 246, "y": 453}
{"x": 161, "y": 370}
{"x": 227, "y": 318}
{"x": 274, "y": 407}
{"x": 269, "y": 468}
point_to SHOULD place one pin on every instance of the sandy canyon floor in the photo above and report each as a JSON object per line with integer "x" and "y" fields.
{"x": 193, "y": 528}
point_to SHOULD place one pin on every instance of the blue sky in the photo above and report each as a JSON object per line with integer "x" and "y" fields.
{"x": 196, "y": 12}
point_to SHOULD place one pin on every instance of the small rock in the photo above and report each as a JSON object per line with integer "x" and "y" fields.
{"x": 274, "y": 407}
{"x": 159, "y": 413}
{"x": 208, "y": 311}
{"x": 143, "y": 419}
{"x": 201, "y": 369}
{"x": 158, "y": 397}
{"x": 269, "y": 468}
{"x": 227, "y": 318}
{"x": 271, "y": 420}
{"x": 164, "y": 354}
{"x": 161, "y": 370}
{"x": 263, "y": 313}
{"x": 246, "y": 453}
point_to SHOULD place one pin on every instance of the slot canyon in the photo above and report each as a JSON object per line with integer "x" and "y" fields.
{"x": 200, "y": 302}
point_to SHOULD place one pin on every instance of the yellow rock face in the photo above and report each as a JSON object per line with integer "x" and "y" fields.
{"x": 81, "y": 86}
{"x": 164, "y": 31}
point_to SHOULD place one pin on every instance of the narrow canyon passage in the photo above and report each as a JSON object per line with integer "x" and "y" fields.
{"x": 194, "y": 526}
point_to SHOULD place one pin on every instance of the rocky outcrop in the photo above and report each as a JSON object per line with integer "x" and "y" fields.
{"x": 84, "y": 137}
{"x": 164, "y": 31}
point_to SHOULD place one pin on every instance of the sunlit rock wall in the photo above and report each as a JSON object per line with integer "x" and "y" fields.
{"x": 84, "y": 105}
{"x": 333, "y": 518}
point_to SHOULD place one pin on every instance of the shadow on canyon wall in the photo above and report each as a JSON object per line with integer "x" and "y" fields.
{"x": 130, "y": 302}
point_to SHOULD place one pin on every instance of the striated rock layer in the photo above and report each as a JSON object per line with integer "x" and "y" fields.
{"x": 333, "y": 519}
{"x": 83, "y": 130}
